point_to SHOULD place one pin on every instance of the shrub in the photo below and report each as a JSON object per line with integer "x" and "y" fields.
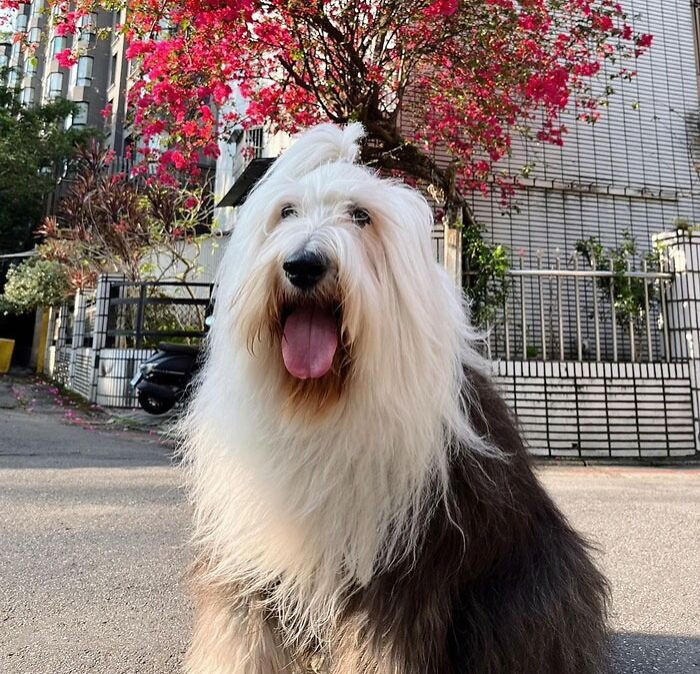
{"x": 34, "y": 283}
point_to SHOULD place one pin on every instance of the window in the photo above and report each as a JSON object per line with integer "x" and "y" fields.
{"x": 35, "y": 8}
{"x": 34, "y": 35}
{"x": 29, "y": 66}
{"x": 21, "y": 23}
{"x": 27, "y": 96}
{"x": 80, "y": 117}
{"x": 55, "y": 85}
{"x": 253, "y": 140}
{"x": 83, "y": 71}
{"x": 164, "y": 28}
{"x": 87, "y": 29}
{"x": 113, "y": 69}
{"x": 12, "y": 79}
{"x": 58, "y": 44}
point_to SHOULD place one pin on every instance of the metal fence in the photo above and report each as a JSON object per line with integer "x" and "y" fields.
{"x": 139, "y": 315}
{"x": 571, "y": 313}
{"x": 96, "y": 344}
{"x": 595, "y": 361}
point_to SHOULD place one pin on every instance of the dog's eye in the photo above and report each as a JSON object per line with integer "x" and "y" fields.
{"x": 360, "y": 217}
{"x": 288, "y": 212}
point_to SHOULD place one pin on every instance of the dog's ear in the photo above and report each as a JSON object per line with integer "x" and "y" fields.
{"x": 322, "y": 144}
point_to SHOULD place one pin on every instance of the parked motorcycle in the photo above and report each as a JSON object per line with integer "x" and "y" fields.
{"x": 163, "y": 379}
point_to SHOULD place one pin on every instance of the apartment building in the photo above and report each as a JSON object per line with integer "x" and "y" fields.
{"x": 97, "y": 80}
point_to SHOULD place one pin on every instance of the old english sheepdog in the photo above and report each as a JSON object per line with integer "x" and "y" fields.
{"x": 363, "y": 502}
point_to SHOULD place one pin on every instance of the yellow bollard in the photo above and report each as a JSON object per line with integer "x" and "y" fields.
{"x": 43, "y": 337}
{"x": 7, "y": 346}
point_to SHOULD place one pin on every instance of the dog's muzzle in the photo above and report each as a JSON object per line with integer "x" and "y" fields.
{"x": 305, "y": 269}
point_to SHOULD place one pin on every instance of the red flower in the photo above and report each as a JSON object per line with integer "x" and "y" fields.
{"x": 65, "y": 58}
{"x": 480, "y": 71}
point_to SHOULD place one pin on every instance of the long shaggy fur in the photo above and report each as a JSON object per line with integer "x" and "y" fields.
{"x": 383, "y": 519}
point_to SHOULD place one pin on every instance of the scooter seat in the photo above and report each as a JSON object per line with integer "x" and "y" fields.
{"x": 179, "y": 348}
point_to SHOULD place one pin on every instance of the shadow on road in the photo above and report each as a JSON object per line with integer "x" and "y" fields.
{"x": 635, "y": 653}
{"x": 44, "y": 441}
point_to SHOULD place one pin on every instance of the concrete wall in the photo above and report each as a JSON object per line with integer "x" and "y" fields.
{"x": 632, "y": 171}
{"x": 599, "y": 410}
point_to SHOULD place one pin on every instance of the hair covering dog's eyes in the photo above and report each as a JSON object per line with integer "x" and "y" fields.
{"x": 360, "y": 217}
{"x": 288, "y": 212}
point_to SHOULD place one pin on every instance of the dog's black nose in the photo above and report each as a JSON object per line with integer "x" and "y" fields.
{"x": 305, "y": 269}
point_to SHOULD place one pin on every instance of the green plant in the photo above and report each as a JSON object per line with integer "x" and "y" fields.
{"x": 35, "y": 149}
{"x": 34, "y": 283}
{"x": 532, "y": 352}
{"x": 684, "y": 225}
{"x": 113, "y": 223}
{"x": 486, "y": 282}
{"x": 628, "y": 294}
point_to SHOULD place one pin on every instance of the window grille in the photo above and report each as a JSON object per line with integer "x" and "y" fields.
{"x": 253, "y": 142}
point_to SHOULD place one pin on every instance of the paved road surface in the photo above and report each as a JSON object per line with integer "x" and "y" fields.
{"x": 92, "y": 547}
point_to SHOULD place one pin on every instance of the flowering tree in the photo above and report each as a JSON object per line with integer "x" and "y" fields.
{"x": 109, "y": 223}
{"x": 457, "y": 77}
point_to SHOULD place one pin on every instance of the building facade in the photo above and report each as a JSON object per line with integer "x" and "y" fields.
{"x": 635, "y": 171}
{"x": 98, "y": 79}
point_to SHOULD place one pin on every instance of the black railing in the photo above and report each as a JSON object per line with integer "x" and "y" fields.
{"x": 141, "y": 314}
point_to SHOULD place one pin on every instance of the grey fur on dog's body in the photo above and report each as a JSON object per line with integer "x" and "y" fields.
{"x": 500, "y": 584}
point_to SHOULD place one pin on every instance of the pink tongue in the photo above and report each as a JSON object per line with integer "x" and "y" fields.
{"x": 309, "y": 343}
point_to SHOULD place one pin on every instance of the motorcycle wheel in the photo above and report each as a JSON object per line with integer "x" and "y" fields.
{"x": 154, "y": 405}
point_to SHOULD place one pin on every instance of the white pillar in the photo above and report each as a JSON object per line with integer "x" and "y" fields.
{"x": 453, "y": 254}
{"x": 78, "y": 333}
{"x": 682, "y": 256}
{"x": 50, "y": 335}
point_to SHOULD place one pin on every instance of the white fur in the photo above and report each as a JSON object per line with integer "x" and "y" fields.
{"x": 298, "y": 506}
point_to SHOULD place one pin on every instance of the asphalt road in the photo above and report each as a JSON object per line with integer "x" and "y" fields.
{"x": 93, "y": 529}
